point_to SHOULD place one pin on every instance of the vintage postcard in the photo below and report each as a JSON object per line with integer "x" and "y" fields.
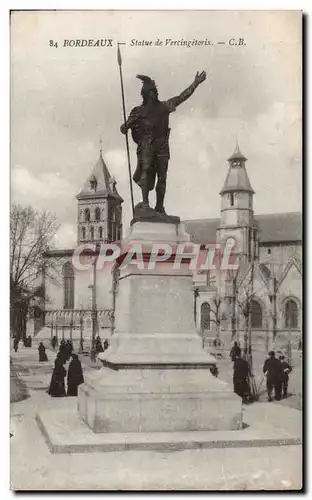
{"x": 156, "y": 250}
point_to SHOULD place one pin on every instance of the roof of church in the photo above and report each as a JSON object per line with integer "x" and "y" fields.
{"x": 105, "y": 183}
{"x": 272, "y": 228}
{"x": 237, "y": 178}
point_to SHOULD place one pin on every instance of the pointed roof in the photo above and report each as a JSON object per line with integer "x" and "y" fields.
{"x": 237, "y": 155}
{"x": 105, "y": 183}
{"x": 237, "y": 178}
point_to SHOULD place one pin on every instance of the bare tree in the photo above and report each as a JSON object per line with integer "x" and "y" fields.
{"x": 217, "y": 314}
{"x": 31, "y": 235}
{"x": 244, "y": 301}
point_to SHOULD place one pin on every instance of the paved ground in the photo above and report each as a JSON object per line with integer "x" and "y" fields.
{"x": 34, "y": 467}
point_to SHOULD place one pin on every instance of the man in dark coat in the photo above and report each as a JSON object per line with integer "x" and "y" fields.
{"x": 42, "y": 353}
{"x": 54, "y": 342}
{"x": 240, "y": 377}
{"x": 29, "y": 341}
{"x": 285, "y": 377}
{"x": 235, "y": 351}
{"x": 74, "y": 376}
{"x": 272, "y": 368}
{"x": 57, "y": 384}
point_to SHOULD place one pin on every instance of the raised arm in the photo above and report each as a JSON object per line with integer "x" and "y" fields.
{"x": 176, "y": 101}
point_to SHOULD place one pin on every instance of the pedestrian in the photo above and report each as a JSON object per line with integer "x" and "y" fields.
{"x": 285, "y": 376}
{"x": 54, "y": 342}
{"x": 235, "y": 351}
{"x": 29, "y": 341}
{"x": 69, "y": 346}
{"x": 98, "y": 345}
{"x": 63, "y": 351}
{"x": 57, "y": 384}
{"x": 42, "y": 353}
{"x": 74, "y": 376}
{"x": 15, "y": 344}
{"x": 240, "y": 377}
{"x": 25, "y": 341}
{"x": 272, "y": 368}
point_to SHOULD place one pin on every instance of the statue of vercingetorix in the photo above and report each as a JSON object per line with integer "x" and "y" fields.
{"x": 149, "y": 124}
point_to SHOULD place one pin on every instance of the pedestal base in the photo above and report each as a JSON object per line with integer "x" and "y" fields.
{"x": 156, "y": 375}
{"x": 264, "y": 425}
{"x": 149, "y": 400}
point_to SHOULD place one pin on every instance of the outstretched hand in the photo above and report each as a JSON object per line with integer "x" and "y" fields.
{"x": 200, "y": 77}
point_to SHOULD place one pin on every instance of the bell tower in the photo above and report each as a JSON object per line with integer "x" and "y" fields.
{"x": 237, "y": 217}
{"x": 99, "y": 207}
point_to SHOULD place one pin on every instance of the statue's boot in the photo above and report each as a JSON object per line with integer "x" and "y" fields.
{"x": 160, "y": 195}
{"x": 145, "y": 192}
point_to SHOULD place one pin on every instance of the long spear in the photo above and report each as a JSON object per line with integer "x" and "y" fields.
{"x": 125, "y": 119}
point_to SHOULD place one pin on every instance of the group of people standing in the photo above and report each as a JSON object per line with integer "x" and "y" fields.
{"x": 74, "y": 374}
{"x": 27, "y": 341}
{"x": 276, "y": 371}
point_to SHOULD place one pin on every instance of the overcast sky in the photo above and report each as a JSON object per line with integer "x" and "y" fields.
{"x": 64, "y": 99}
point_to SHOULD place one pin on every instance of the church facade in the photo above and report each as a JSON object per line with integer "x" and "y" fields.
{"x": 268, "y": 249}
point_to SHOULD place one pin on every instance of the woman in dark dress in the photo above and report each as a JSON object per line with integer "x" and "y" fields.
{"x": 98, "y": 345}
{"x": 54, "y": 342}
{"x": 63, "y": 351}
{"x": 57, "y": 385}
{"x": 74, "y": 376}
{"x": 235, "y": 351}
{"x": 69, "y": 347}
{"x": 42, "y": 353}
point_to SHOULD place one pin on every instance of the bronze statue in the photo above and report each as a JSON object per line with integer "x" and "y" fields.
{"x": 149, "y": 125}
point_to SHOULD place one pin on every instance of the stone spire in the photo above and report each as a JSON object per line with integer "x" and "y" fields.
{"x": 237, "y": 178}
{"x": 99, "y": 207}
{"x": 100, "y": 183}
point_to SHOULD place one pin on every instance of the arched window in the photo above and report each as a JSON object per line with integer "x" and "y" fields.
{"x": 83, "y": 233}
{"x": 92, "y": 233}
{"x": 97, "y": 214}
{"x": 205, "y": 317}
{"x": 256, "y": 314}
{"x": 87, "y": 214}
{"x": 100, "y": 233}
{"x": 69, "y": 286}
{"x": 291, "y": 314}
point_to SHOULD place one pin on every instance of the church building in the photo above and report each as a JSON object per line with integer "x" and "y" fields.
{"x": 72, "y": 294}
{"x": 268, "y": 249}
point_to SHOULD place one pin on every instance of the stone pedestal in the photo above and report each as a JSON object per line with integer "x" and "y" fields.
{"x": 156, "y": 376}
